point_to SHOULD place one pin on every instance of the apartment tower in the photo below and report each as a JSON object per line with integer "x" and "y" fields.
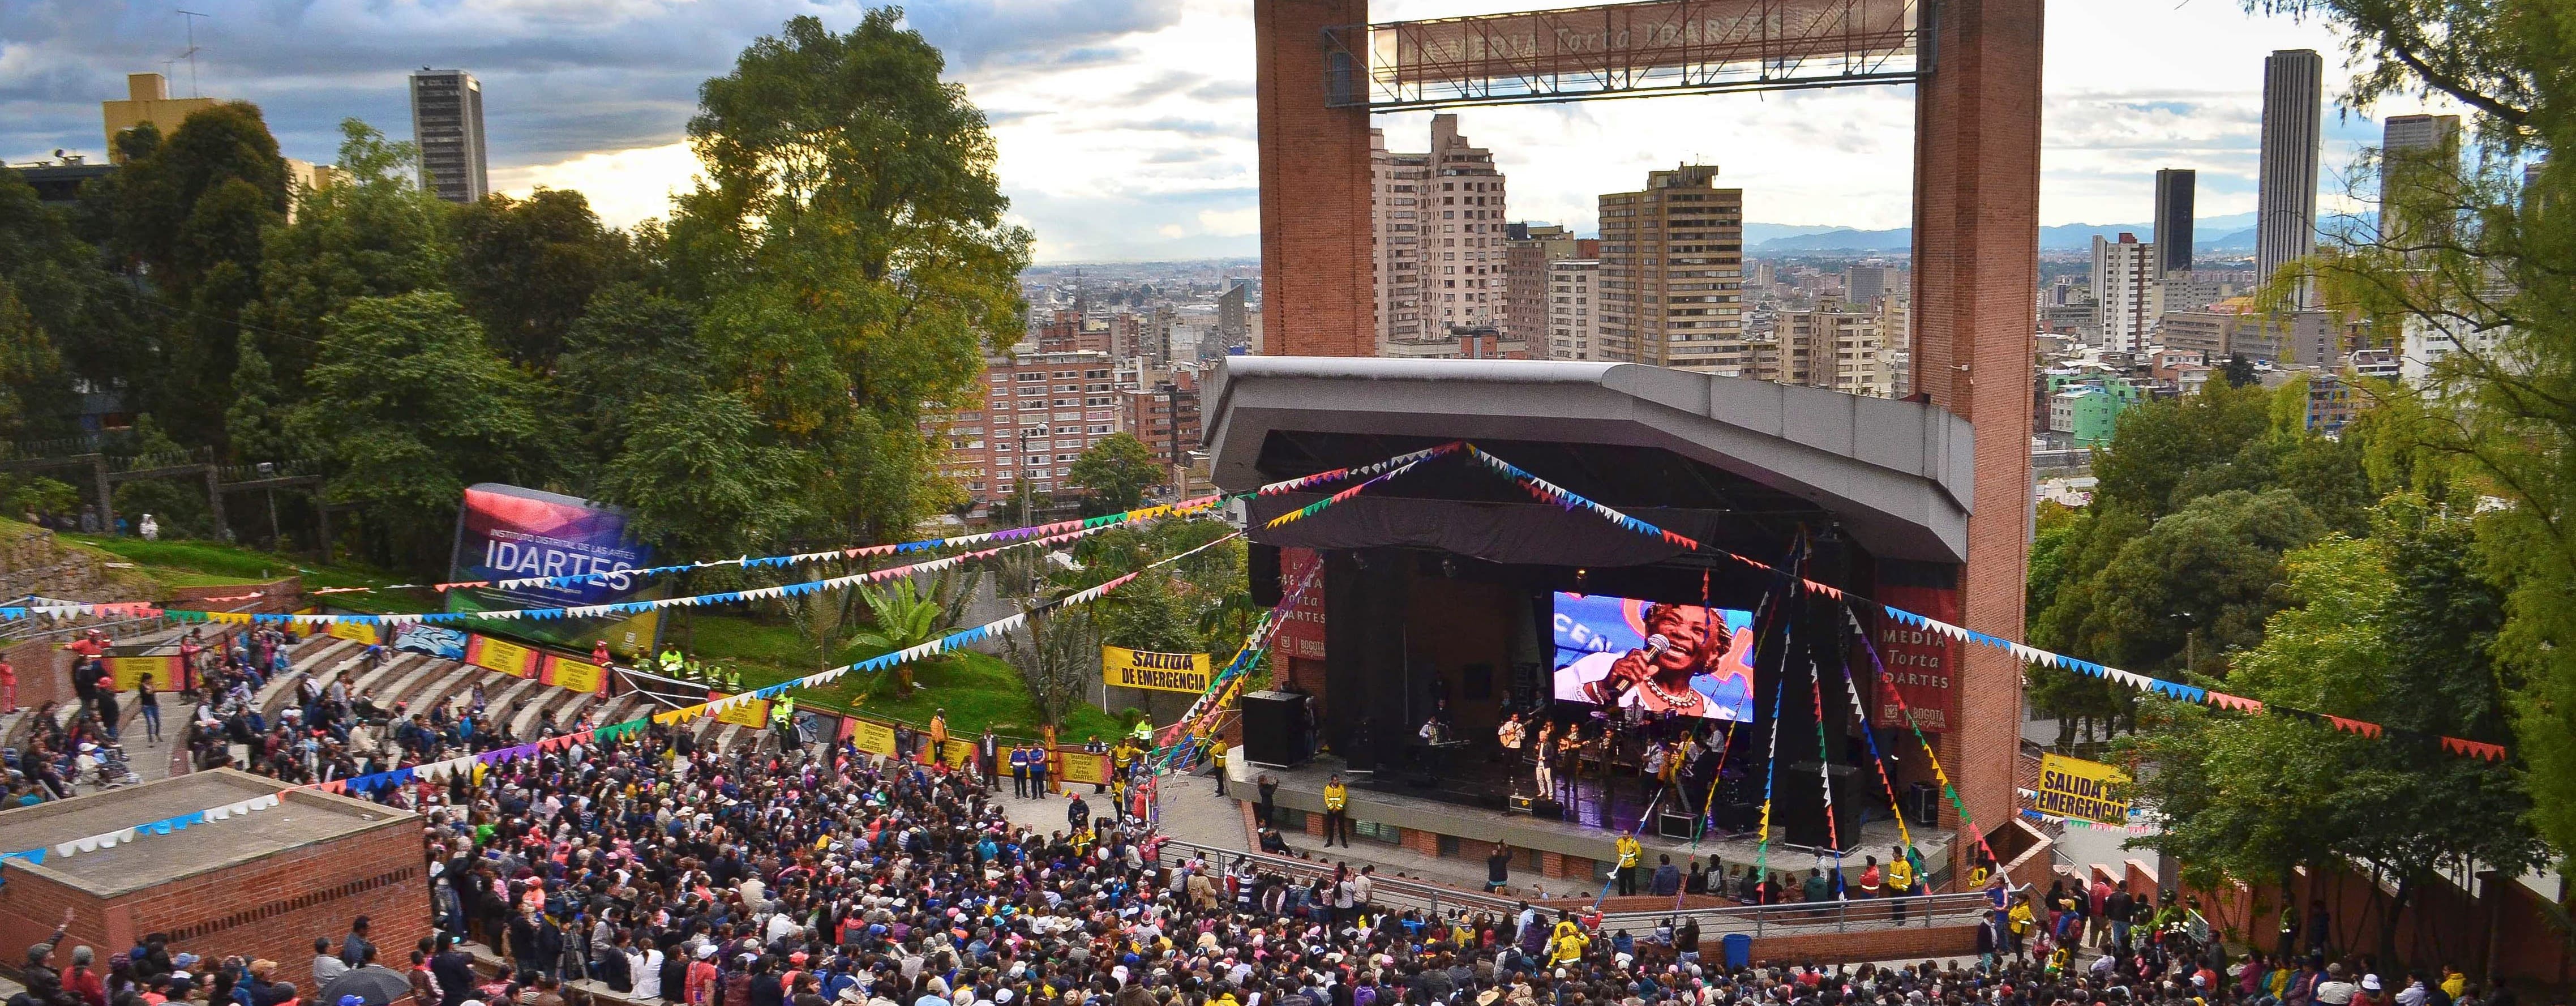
{"x": 2285, "y": 205}
{"x": 1672, "y": 267}
{"x": 2173, "y": 221}
{"x": 447, "y": 124}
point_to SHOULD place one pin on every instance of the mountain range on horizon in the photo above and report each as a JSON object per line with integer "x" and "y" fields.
{"x": 2222, "y": 233}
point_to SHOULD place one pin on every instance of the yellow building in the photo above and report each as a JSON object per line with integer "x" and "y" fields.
{"x": 147, "y": 99}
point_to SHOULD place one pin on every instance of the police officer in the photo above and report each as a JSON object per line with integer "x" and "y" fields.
{"x": 1337, "y": 821}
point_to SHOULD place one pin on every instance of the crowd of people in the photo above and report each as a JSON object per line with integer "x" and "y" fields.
{"x": 818, "y": 875}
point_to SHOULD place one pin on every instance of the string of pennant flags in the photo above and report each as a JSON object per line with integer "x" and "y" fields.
{"x": 1222, "y": 687}
{"x": 444, "y": 769}
{"x": 1041, "y": 535}
{"x": 1549, "y": 492}
{"x": 164, "y": 826}
{"x": 41, "y": 606}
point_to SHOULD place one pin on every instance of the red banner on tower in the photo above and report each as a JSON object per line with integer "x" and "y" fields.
{"x": 1922, "y": 662}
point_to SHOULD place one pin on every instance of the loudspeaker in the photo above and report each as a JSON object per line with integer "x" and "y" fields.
{"x": 1923, "y": 805}
{"x": 1800, "y": 808}
{"x": 1270, "y": 721}
{"x": 1261, "y": 563}
{"x": 1547, "y": 807}
{"x": 1737, "y": 816}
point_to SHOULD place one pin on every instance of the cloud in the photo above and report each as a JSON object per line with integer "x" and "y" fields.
{"x": 1126, "y": 127}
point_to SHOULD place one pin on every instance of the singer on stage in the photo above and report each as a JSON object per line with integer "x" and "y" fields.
{"x": 1676, "y": 671}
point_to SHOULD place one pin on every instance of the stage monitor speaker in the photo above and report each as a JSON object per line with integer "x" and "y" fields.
{"x": 1800, "y": 808}
{"x": 1671, "y": 825}
{"x": 1270, "y": 727}
{"x": 1735, "y": 816}
{"x": 1547, "y": 807}
{"x": 1262, "y": 565}
{"x": 1923, "y": 805}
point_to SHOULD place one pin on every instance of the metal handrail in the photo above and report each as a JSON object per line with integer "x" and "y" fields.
{"x": 1834, "y": 916}
{"x": 1398, "y": 892}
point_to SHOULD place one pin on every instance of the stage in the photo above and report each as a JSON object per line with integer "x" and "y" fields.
{"x": 1562, "y": 848}
{"x": 1715, "y": 609}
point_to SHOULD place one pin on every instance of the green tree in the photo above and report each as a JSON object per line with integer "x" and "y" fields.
{"x": 1116, "y": 470}
{"x": 1058, "y": 656}
{"x": 630, "y": 346}
{"x": 2393, "y": 629}
{"x": 255, "y": 421}
{"x": 27, "y": 361}
{"x": 407, "y": 407}
{"x": 697, "y": 479}
{"x": 2239, "y": 371}
{"x": 849, "y": 247}
{"x": 373, "y": 232}
{"x": 527, "y": 268}
{"x": 2475, "y": 253}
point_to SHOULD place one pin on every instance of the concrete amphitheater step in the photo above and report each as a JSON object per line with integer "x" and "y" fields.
{"x": 450, "y": 681}
{"x": 367, "y": 682}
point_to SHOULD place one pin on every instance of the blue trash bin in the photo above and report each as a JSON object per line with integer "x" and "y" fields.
{"x": 1739, "y": 950}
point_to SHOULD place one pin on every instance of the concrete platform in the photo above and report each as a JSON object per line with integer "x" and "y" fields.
{"x": 1302, "y": 788}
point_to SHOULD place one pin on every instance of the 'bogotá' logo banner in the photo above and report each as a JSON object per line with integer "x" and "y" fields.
{"x": 1162, "y": 672}
{"x": 2073, "y": 787}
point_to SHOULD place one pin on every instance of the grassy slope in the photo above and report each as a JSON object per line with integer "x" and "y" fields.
{"x": 977, "y": 689}
{"x": 132, "y": 584}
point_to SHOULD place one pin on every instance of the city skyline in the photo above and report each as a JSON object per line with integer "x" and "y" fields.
{"x": 1157, "y": 162}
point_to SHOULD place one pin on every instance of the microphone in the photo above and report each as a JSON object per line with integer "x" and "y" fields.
{"x": 1656, "y": 644}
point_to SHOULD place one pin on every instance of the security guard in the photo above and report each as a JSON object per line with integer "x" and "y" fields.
{"x": 939, "y": 736}
{"x": 1216, "y": 756}
{"x": 1629, "y": 854}
{"x": 1900, "y": 882}
{"x": 1098, "y": 747}
{"x": 1337, "y": 821}
{"x": 782, "y": 720}
{"x": 671, "y": 661}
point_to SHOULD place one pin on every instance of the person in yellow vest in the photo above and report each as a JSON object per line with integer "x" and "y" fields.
{"x": 1630, "y": 852}
{"x": 939, "y": 736}
{"x": 782, "y": 720}
{"x": 1900, "y": 883}
{"x": 1566, "y": 945}
{"x": 1216, "y": 757}
{"x": 1337, "y": 819}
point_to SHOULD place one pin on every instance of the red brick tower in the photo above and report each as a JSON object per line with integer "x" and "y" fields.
{"x": 1976, "y": 282}
{"x": 1317, "y": 286}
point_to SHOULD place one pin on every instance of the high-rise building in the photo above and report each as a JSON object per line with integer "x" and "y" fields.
{"x": 1040, "y": 412}
{"x": 447, "y": 124}
{"x": 2124, "y": 290}
{"x": 2285, "y": 204}
{"x": 2408, "y": 144}
{"x": 1396, "y": 211}
{"x": 1467, "y": 194}
{"x": 1832, "y": 345}
{"x": 1866, "y": 282}
{"x": 1573, "y": 309}
{"x": 1528, "y": 248}
{"x": 2173, "y": 220}
{"x": 1231, "y": 327}
{"x": 1672, "y": 268}
{"x": 1440, "y": 243}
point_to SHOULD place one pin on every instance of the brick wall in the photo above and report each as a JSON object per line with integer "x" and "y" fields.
{"x": 273, "y": 907}
{"x": 1976, "y": 202}
{"x": 1317, "y": 277}
{"x": 1910, "y": 944}
{"x": 2501, "y": 929}
{"x": 44, "y": 672}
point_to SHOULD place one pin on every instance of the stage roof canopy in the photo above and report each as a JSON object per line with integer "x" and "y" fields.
{"x": 1893, "y": 475}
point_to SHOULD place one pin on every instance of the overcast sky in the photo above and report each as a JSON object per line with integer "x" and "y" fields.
{"x": 1126, "y": 126}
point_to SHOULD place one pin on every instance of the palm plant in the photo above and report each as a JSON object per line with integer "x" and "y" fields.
{"x": 909, "y": 612}
{"x": 1058, "y": 657}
